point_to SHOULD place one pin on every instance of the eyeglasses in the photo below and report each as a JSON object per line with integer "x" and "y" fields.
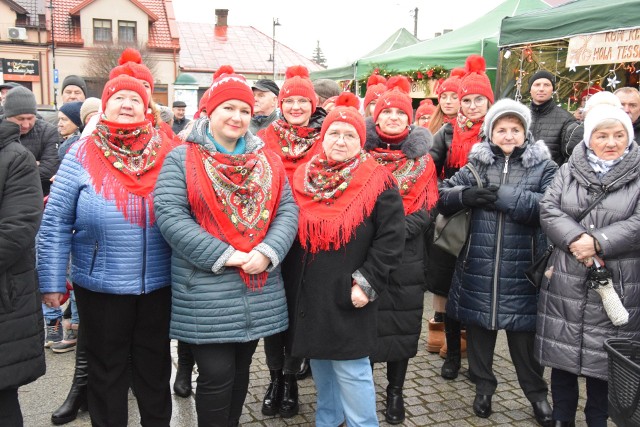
{"x": 348, "y": 138}
{"x": 478, "y": 101}
{"x": 290, "y": 102}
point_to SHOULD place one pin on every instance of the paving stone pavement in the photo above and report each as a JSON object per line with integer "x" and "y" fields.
{"x": 429, "y": 399}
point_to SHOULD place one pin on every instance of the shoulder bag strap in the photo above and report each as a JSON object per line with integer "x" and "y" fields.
{"x": 592, "y": 205}
{"x": 473, "y": 170}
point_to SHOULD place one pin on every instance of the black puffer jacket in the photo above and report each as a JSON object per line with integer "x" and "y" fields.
{"x": 551, "y": 123}
{"x": 440, "y": 148}
{"x": 489, "y": 287}
{"x": 572, "y": 323}
{"x": 22, "y": 332}
{"x": 400, "y": 312}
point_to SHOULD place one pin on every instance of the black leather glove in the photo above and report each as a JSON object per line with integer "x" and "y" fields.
{"x": 475, "y": 196}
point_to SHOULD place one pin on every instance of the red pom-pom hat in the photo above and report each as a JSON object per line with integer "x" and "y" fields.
{"x": 297, "y": 83}
{"x": 346, "y": 110}
{"x": 228, "y": 85}
{"x": 396, "y": 96}
{"x": 475, "y": 81}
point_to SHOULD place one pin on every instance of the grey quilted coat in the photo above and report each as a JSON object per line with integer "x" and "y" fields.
{"x": 572, "y": 324}
{"x": 211, "y": 303}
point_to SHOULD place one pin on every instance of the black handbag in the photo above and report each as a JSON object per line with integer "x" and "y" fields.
{"x": 451, "y": 231}
{"x": 535, "y": 273}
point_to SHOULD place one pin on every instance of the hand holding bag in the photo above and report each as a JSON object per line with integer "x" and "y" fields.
{"x": 535, "y": 273}
{"x": 451, "y": 231}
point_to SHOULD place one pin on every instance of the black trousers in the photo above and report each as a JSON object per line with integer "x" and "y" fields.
{"x": 481, "y": 345}
{"x": 114, "y": 327}
{"x": 223, "y": 381}
{"x": 278, "y": 354}
{"x": 10, "y": 413}
{"x": 564, "y": 391}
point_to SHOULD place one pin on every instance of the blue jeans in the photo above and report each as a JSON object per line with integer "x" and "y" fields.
{"x": 75, "y": 319}
{"x": 51, "y": 313}
{"x": 345, "y": 390}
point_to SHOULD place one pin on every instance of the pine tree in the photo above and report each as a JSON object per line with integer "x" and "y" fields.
{"x": 318, "y": 56}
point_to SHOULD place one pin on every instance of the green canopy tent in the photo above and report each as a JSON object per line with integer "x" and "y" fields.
{"x": 539, "y": 40}
{"x": 449, "y": 50}
{"x": 399, "y": 39}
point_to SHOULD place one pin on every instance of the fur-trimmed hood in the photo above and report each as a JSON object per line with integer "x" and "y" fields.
{"x": 416, "y": 144}
{"x": 531, "y": 153}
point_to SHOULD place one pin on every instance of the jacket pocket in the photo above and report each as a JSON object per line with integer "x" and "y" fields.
{"x": 93, "y": 258}
{"x": 10, "y": 284}
{"x": 6, "y": 298}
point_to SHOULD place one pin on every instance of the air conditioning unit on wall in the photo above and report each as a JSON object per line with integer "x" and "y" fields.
{"x": 17, "y": 33}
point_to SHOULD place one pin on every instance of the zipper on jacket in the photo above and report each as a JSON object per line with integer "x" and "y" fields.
{"x": 496, "y": 266}
{"x": 93, "y": 259}
{"x": 144, "y": 245}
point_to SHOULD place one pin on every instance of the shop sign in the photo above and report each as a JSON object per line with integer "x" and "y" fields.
{"x": 23, "y": 67}
{"x": 604, "y": 48}
{"x": 422, "y": 88}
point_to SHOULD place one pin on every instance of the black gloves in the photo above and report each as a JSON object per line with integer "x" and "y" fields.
{"x": 476, "y": 197}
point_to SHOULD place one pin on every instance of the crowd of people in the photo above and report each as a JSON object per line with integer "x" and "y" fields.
{"x": 304, "y": 217}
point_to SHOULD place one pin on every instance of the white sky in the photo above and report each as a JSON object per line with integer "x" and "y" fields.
{"x": 346, "y": 29}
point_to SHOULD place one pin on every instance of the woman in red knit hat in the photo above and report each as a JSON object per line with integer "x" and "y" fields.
{"x": 295, "y": 138}
{"x": 376, "y": 85}
{"x": 451, "y": 145}
{"x": 448, "y": 102}
{"x": 424, "y": 113}
{"x": 224, "y": 205}
{"x": 100, "y": 214}
{"x": 350, "y": 237}
{"x": 402, "y": 149}
{"x": 446, "y": 113}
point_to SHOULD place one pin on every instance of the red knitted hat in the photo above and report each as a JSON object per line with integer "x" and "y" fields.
{"x": 297, "y": 83}
{"x": 131, "y": 65}
{"x": 346, "y": 110}
{"x": 426, "y": 107}
{"x": 451, "y": 83}
{"x": 475, "y": 81}
{"x": 228, "y": 85}
{"x": 123, "y": 82}
{"x": 376, "y": 85}
{"x": 396, "y": 96}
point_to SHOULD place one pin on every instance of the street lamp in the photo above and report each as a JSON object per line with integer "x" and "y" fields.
{"x": 276, "y": 23}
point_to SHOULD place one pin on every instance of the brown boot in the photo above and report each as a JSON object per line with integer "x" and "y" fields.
{"x": 435, "y": 336}
{"x": 463, "y": 346}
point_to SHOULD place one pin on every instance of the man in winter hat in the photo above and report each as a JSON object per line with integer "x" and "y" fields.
{"x": 74, "y": 88}
{"x": 39, "y": 136}
{"x": 550, "y": 123}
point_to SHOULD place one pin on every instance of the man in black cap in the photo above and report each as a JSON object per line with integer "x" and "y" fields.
{"x": 549, "y": 122}
{"x": 39, "y": 136}
{"x": 74, "y": 88}
{"x": 4, "y": 88}
{"x": 179, "y": 120}
{"x": 265, "y": 109}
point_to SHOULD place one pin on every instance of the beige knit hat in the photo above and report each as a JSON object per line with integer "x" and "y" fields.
{"x": 90, "y": 105}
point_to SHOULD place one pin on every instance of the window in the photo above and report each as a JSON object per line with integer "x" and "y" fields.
{"x": 126, "y": 32}
{"x": 102, "y": 31}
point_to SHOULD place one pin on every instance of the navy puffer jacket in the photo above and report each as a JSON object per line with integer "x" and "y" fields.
{"x": 489, "y": 287}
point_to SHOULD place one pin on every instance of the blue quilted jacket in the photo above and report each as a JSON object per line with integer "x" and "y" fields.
{"x": 211, "y": 303}
{"x": 108, "y": 253}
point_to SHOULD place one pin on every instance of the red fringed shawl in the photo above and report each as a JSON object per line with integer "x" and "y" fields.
{"x": 235, "y": 197}
{"x": 416, "y": 178}
{"x": 124, "y": 161}
{"x": 294, "y": 144}
{"x": 335, "y": 198}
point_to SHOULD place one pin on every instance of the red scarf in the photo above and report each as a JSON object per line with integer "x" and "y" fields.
{"x": 294, "y": 144}
{"x": 335, "y": 198}
{"x": 235, "y": 197}
{"x": 466, "y": 133}
{"x": 124, "y": 161}
{"x": 416, "y": 178}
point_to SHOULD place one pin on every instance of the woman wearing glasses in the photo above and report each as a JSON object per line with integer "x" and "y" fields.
{"x": 404, "y": 150}
{"x": 295, "y": 139}
{"x": 451, "y": 145}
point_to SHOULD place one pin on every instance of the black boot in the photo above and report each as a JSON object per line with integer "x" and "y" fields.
{"x": 77, "y": 397}
{"x": 289, "y": 405}
{"x": 182, "y": 385}
{"x": 273, "y": 397}
{"x": 305, "y": 370}
{"x": 396, "y": 373}
{"x": 451, "y": 365}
